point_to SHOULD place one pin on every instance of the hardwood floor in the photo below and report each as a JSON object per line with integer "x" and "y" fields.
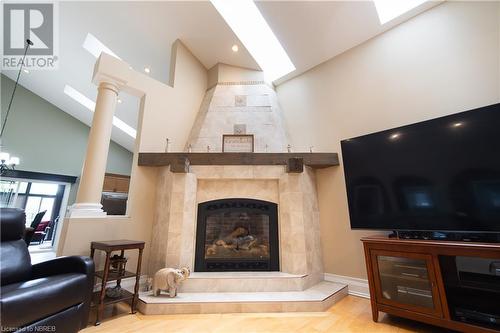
{"x": 351, "y": 314}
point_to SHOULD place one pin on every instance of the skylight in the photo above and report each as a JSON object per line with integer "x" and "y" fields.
{"x": 124, "y": 127}
{"x": 90, "y": 104}
{"x": 96, "y": 47}
{"x": 79, "y": 97}
{"x": 251, "y": 28}
{"x": 388, "y": 10}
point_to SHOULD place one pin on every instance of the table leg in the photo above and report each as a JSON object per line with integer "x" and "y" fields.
{"x": 102, "y": 294}
{"x": 375, "y": 314}
{"x": 119, "y": 280}
{"x": 137, "y": 278}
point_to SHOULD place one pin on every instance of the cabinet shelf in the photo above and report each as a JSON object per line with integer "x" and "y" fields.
{"x": 405, "y": 277}
{"x": 113, "y": 276}
{"x": 126, "y": 295}
{"x": 480, "y": 281}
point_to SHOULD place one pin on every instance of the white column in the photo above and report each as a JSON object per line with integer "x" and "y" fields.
{"x": 88, "y": 200}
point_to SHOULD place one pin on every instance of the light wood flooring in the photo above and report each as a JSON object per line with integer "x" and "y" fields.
{"x": 351, "y": 314}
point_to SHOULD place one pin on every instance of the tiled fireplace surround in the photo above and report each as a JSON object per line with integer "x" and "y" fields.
{"x": 239, "y": 98}
{"x": 174, "y": 229}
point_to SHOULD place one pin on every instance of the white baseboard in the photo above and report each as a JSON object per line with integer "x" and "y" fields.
{"x": 127, "y": 283}
{"x": 356, "y": 286}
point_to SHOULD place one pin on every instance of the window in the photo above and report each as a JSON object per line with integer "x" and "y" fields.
{"x": 37, "y": 192}
{"x": 251, "y": 28}
{"x": 36, "y": 204}
{"x": 8, "y": 190}
{"x": 43, "y": 188}
{"x": 38, "y": 197}
{"x": 32, "y": 208}
{"x": 22, "y": 187}
{"x": 388, "y": 10}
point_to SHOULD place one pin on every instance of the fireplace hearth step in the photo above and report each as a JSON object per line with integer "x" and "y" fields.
{"x": 319, "y": 297}
{"x": 244, "y": 275}
{"x": 244, "y": 282}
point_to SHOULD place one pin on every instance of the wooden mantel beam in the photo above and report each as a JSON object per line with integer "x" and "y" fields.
{"x": 314, "y": 160}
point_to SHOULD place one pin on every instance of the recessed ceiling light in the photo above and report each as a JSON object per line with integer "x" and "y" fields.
{"x": 395, "y": 136}
{"x": 95, "y": 47}
{"x": 235, "y": 48}
{"x": 119, "y": 101}
{"x": 252, "y": 30}
{"x": 90, "y": 104}
{"x": 388, "y": 10}
{"x": 26, "y": 71}
{"x": 458, "y": 124}
{"x": 147, "y": 70}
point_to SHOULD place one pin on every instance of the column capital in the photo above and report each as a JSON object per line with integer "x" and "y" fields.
{"x": 109, "y": 85}
{"x": 112, "y": 71}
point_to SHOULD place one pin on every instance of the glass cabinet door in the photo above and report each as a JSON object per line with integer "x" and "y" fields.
{"x": 406, "y": 281}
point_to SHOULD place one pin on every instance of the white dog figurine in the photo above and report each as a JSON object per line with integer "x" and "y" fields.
{"x": 169, "y": 279}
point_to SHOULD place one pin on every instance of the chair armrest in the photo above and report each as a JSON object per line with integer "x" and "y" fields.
{"x": 28, "y": 235}
{"x": 62, "y": 265}
{"x": 72, "y": 264}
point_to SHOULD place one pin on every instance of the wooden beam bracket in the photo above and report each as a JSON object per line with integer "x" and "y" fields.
{"x": 295, "y": 165}
{"x": 180, "y": 165}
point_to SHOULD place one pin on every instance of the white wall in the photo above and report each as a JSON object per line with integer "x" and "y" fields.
{"x": 443, "y": 61}
{"x": 227, "y": 73}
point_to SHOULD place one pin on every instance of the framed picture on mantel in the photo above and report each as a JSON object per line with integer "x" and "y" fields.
{"x": 237, "y": 143}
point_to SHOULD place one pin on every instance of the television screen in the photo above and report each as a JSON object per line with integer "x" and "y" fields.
{"x": 437, "y": 175}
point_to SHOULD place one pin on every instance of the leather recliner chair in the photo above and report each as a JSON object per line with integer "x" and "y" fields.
{"x": 52, "y": 296}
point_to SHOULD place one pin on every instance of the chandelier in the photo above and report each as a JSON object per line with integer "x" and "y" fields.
{"x": 7, "y": 162}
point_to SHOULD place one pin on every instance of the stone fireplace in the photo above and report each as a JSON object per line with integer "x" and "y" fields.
{"x": 237, "y": 235}
{"x": 246, "y": 223}
{"x": 238, "y": 227}
{"x": 176, "y": 228}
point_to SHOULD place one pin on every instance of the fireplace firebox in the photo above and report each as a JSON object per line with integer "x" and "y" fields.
{"x": 237, "y": 235}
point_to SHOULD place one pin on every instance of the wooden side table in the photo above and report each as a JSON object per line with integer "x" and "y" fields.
{"x": 99, "y": 298}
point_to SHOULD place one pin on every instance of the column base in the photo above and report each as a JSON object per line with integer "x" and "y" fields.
{"x": 86, "y": 210}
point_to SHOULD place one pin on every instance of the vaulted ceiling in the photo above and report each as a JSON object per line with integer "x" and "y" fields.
{"x": 141, "y": 33}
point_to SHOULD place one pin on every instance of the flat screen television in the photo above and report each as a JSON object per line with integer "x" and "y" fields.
{"x": 437, "y": 175}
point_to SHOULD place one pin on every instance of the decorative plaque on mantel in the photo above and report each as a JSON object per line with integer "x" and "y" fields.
{"x": 237, "y": 143}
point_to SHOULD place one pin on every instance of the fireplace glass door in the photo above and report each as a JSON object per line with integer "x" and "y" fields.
{"x": 237, "y": 235}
